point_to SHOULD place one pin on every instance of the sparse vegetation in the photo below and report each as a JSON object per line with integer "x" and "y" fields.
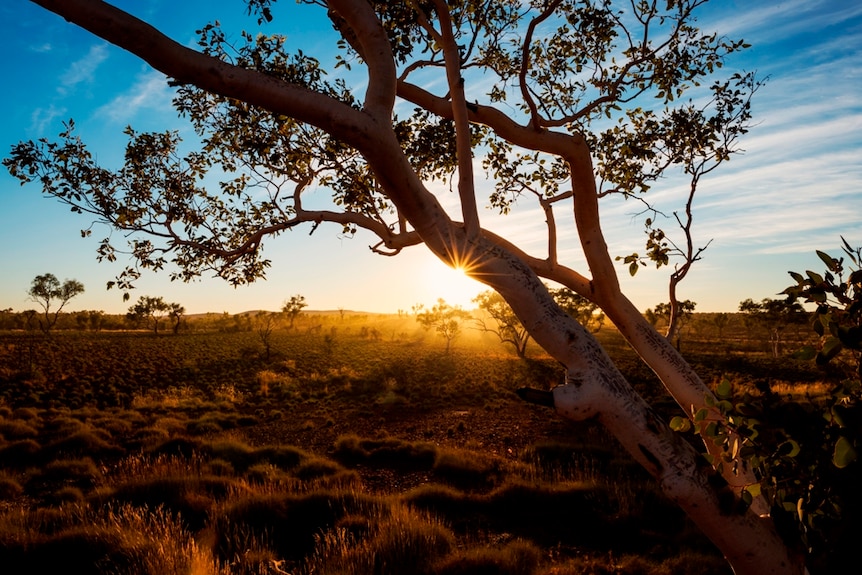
{"x": 190, "y": 450}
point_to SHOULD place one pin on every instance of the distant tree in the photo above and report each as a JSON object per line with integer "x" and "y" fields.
{"x": 675, "y": 316}
{"x": 292, "y": 308}
{"x": 265, "y": 322}
{"x": 7, "y": 318}
{"x": 507, "y": 326}
{"x": 587, "y": 313}
{"x": 773, "y": 315}
{"x": 444, "y": 318}
{"x": 151, "y": 310}
{"x": 720, "y": 321}
{"x": 46, "y": 290}
{"x": 176, "y": 313}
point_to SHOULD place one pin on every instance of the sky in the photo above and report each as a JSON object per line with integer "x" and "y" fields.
{"x": 796, "y": 188}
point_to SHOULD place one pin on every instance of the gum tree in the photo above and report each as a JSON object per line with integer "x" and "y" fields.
{"x": 559, "y": 102}
{"x": 47, "y": 291}
{"x": 507, "y": 327}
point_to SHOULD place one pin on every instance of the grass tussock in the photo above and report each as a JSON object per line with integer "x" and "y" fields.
{"x": 518, "y": 557}
{"x": 386, "y": 452}
{"x": 400, "y": 540}
{"x": 128, "y": 540}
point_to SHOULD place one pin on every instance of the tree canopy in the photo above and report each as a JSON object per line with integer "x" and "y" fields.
{"x": 47, "y": 291}
{"x": 560, "y": 102}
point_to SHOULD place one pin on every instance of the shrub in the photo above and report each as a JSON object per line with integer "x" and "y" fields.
{"x": 286, "y": 523}
{"x": 517, "y": 558}
{"x": 89, "y": 542}
{"x": 15, "y": 429}
{"x": 466, "y": 470}
{"x": 20, "y": 454}
{"x": 9, "y": 487}
{"x": 397, "y": 541}
{"x": 387, "y": 452}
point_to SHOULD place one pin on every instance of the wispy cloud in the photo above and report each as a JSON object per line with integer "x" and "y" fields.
{"x": 149, "y": 92}
{"x": 41, "y": 118}
{"x": 83, "y": 70}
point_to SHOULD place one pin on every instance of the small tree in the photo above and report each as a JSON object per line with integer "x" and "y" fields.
{"x": 176, "y": 313}
{"x": 152, "y": 309}
{"x": 720, "y": 321}
{"x": 444, "y": 318}
{"x": 46, "y": 290}
{"x": 675, "y": 315}
{"x": 292, "y": 308}
{"x": 265, "y": 322}
{"x": 587, "y": 313}
{"x": 773, "y": 315}
{"x": 508, "y": 327}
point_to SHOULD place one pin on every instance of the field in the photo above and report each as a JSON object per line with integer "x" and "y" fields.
{"x": 356, "y": 446}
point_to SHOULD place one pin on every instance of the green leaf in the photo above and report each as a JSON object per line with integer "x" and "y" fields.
{"x": 753, "y": 489}
{"x": 831, "y": 347}
{"x": 807, "y": 353}
{"x": 724, "y": 389}
{"x": 680, "y": 424}
{"x": 844, "y": 454}
{"x": 789, "y": 448}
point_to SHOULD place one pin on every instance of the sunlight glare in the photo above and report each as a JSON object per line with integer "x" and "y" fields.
{"x": 451, "y": 284}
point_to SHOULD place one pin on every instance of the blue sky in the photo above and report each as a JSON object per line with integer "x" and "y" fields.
{"x": 796, "y": 189}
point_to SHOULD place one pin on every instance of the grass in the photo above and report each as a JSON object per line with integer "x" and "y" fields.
{"x": 135, "y": 454}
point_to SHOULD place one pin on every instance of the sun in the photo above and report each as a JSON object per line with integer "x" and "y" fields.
{"x": 451, "y": 284}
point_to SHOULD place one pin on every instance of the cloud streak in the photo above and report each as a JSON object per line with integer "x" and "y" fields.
{"x": 83, "y": 70}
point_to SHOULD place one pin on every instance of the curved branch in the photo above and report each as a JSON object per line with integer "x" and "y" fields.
{"x": 375, "y": 50}
{"x": 187, "y": 66}
{"x": 535, "y": 120}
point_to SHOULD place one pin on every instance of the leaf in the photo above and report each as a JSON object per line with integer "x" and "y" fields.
{"x": 815, "y": 277}
{"x": 807, "y": 353}
{"x": 831, "y": 347}
{"x": 844, "y": 453}
{"x": 680, "y": 424}
{"x": 797, "y": 277}
{"x": 831, "y": 263}
{"x": 789, "y": 448}
{"x": 753, "y": 489}
{"x": 724, "y": 389}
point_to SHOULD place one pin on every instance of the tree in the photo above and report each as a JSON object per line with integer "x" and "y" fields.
{"x": 773, "y": 315}
{"x": 46, "y": 290}
{"x": 720, "y": 321}
{"x": 265, "y": 322}
{"x": 508, "y": 327}
{"x": 674, "y": 314}
{"x": 444, "y": 319}
{"x": 151, "y": 310}
{"x": 176, "y": 313}
{"x": 292, "y": 308}
{"x": 587, "y": 313}
{"x": 563, "y": 103}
